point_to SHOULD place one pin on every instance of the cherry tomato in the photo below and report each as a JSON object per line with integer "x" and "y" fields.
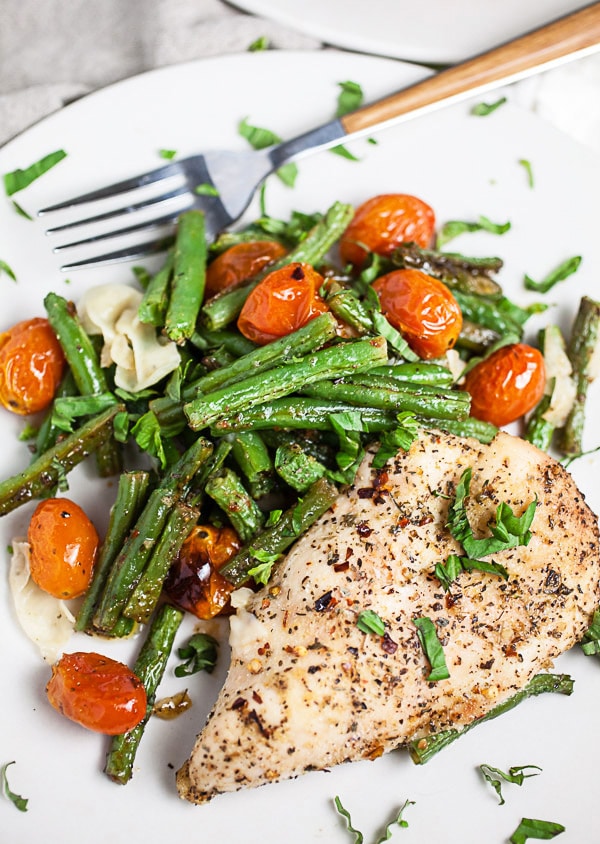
{"x": 422, "y": 309}
{"x": 507, "y": 384}
{"x": 240, "y": 262}
{"x": 284, "y": 301}
{"x": 194, "y": 583}
{"x": 31, "y": 366}
{"x": 383, "y": 222}
{"x": 97, "y": 692}
{"x": 64, "y": 545}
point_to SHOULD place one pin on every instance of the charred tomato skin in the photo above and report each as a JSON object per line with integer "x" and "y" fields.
{"x": 97, "y": 692}
{"x": 63, "y": 546}
{"x": 239, "y": 263}
{"x": 285, "y": 300}
{"x": 507, "y": 384}
{"x": 385, "y": 221}
{"x": 422, "y": 308}
{"x": 31, "y": 366}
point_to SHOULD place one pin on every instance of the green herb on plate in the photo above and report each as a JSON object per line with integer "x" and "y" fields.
{"x": 397, "y": 820}
{"x": 528, "y": 169}
{"x": 16, "y": 799}
{"x": 260, "y": 44}
{"x": 370, "y": 622}
{"x": 563, "y": 271}
{"x": 432, "y": 648}
{"x": 483, "y": 109}
{"x": 540, "y": 830}
{"x": 7, "y": 270}
{"x": 259, "y": 138}
{"x": 516, "y": 775}
{"x": 200, "y": 654}
{"x": 168, "y": 154}
{"x": 453, "y": 228}
{"x": 19, "y": 179}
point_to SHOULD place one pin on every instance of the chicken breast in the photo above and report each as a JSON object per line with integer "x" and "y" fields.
{"x": 307, "y": 689}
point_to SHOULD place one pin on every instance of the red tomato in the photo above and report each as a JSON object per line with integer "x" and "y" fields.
{"x": 384, "y": 222}
{"x": 507, "y": 384}
{"x": 194, "y": 583}
{"x": 284, "y": 301}
{"x": 422, "y": 309}
{"x": 97, "y": 692}
{"x": 64, "y": 545}
{"x": 31, "y": 366}
{"x": 239, "y": 263}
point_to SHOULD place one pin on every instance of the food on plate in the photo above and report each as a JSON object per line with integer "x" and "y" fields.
{"x": 63, "y": 546}
{"x": 240, "y": 262}
{"x": 308, "y": 689}
{"x": 97, "y": 692}
{"x": 31, "y": 366}
{"x": 507, "y": 384}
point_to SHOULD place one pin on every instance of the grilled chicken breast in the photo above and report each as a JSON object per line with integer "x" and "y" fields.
{"x": 307, "y": 689}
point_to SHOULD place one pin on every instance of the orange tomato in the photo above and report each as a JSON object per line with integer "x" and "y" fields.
{"x": 282, "y": 302}
{"x": 422, "y": 309}
{"x": 383, "y": 222}
{"x": 507, "y": 384}
{"x": 239, "y": 263}
{"x": 63, "y": 548}
{"x": 97, "y": 692}
{"x": 194, "y": 583}
{"x": 31, "y": 366}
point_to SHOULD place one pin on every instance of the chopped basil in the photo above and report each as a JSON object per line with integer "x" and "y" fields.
{"x": 21, "y": 211}
{"x": 432, "y": 648}
{"x": 453, "y": 228}
{"x": 16, "y": 799}
{"x": 397, "y": 820}
{"x": 562, "y": 272}
{"x": 200, "y": 654}
{"x": 540, "y": 830}
{"x": 29, "y": 432}
{"x": 349, "y": 99}
{"x": 121, "y": 426}
{"x": 169, "y": 154}
{"x": 515, "y": 775}
{"x": 206, "y": 190}
{"x": 590, "y": 644}
{"x": 142, "y": 276}
{"x": 273, "y": 518}
{"x": 4, "y": 268}
{"x": 19, "y": 179}
{"x": 528, "y": 169}
{"x": 370, "y": 622}
{"x": 259, "y": 138}
{"x": 147, "y": 434}
{"x": 262, "y": 572}
{"x": 401, "y": 437}
{"x": 261, "y": 43}
{"x": 483, "y": 109}
{"x": 69, "y": 408}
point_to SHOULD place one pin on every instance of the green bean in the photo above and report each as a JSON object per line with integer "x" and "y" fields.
{"x": 469, "y": 427}
{"x": 131, "y": 496}
{"x": 278, "y": 538}
{"x": 225, "y": 307}
{"x": 336, "y": 361}
{"x": 149, "y": 667}
{"x": 470, "y": 275}
{"x": 227, "y": 490}
{"x": 297, "y": 468}
{"x": 422, "y": 750}
{"x": 235, "y": 343}
{"x": 153, "y": 307}
{"x": 146, "y": 594}
{"x": 48, "y": 432}
{"x": 42, "y": 476}
{"x": 417, "y": 373}
{"x": 189, "y": 276}
{"x": 254, "y": 461}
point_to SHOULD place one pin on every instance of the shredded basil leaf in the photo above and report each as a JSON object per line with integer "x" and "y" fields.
{"x": 483, "y": 109}
{"x": 401, "y": 437}
{"x": 206, "y": 190}
{"x": 261, "y": 43}
{"x": 65, "y": 410}
{"x": 432, "y": 648}
{"x": 262, "y": 572}
{"x": 4, "y": 268}
{"x": 147, "y": 434}
{"x": 200, "y": 654}
{"x": 29, "y": 432}
{"x": 370, "y": 622}
{"x": 562, "y": 272}
{"x": 590, "y": 644}
{"x": 16, "y": 799}
{"x": 349, "y": 99}
{"x": 397, "y": 820}
{"x": 515, "y": 775}
{"x": 21, "y": 211}
{"x": 528, "y": 169}
{"x": 540, "y": 830}
{"x": 19, "y": 179}
{"x": 453, "y": 228}
{"x": 259, "y": 138}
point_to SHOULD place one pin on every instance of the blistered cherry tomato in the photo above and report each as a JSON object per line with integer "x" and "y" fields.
{"x": 507, "y": 384}
{"x": 31, "y": 366}
{"x": 383, "y": 222}
{"x": 97, "y": 692}
{"x": 284, "y": 301}
{"x": 194, "y": 583}
{"x": 422, "y": 309}
{"x": 240, "y": 262}
{"x": 63, "y": 547}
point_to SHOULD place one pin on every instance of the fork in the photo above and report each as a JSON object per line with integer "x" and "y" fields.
{"x": 234, "y": 177}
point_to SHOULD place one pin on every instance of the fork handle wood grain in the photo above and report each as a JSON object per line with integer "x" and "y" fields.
{"x": 577, "y": 33}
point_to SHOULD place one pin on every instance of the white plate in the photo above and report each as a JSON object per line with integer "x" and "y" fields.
{"x": 464, "y": 166}
{"x": 429, "y": 31}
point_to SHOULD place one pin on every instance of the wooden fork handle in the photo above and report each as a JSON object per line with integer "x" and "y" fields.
{"x": 575, "y": 33}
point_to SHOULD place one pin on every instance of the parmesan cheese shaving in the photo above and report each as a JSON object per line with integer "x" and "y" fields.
{"x": 142, "y": 359}
{"x": 559, "y": 378}
{"x": 46, "y": 620}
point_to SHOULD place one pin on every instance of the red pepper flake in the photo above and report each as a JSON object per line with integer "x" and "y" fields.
{"x": 323, "y": 602}
{"x": 342, "y": 566}
{"x": 388, "y": 644}
{"x": 256, "y": 697}
{"x": 364, "y": 530}
{"x": 239, "y": 703}
{"x": 366, "y": 492}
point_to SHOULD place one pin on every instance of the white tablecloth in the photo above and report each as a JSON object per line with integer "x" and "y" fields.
{"x": 54, "y": 51}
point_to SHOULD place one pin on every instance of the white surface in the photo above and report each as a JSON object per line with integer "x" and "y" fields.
{"x": 463, "y": 166}
{"x": 430, "y": 31}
